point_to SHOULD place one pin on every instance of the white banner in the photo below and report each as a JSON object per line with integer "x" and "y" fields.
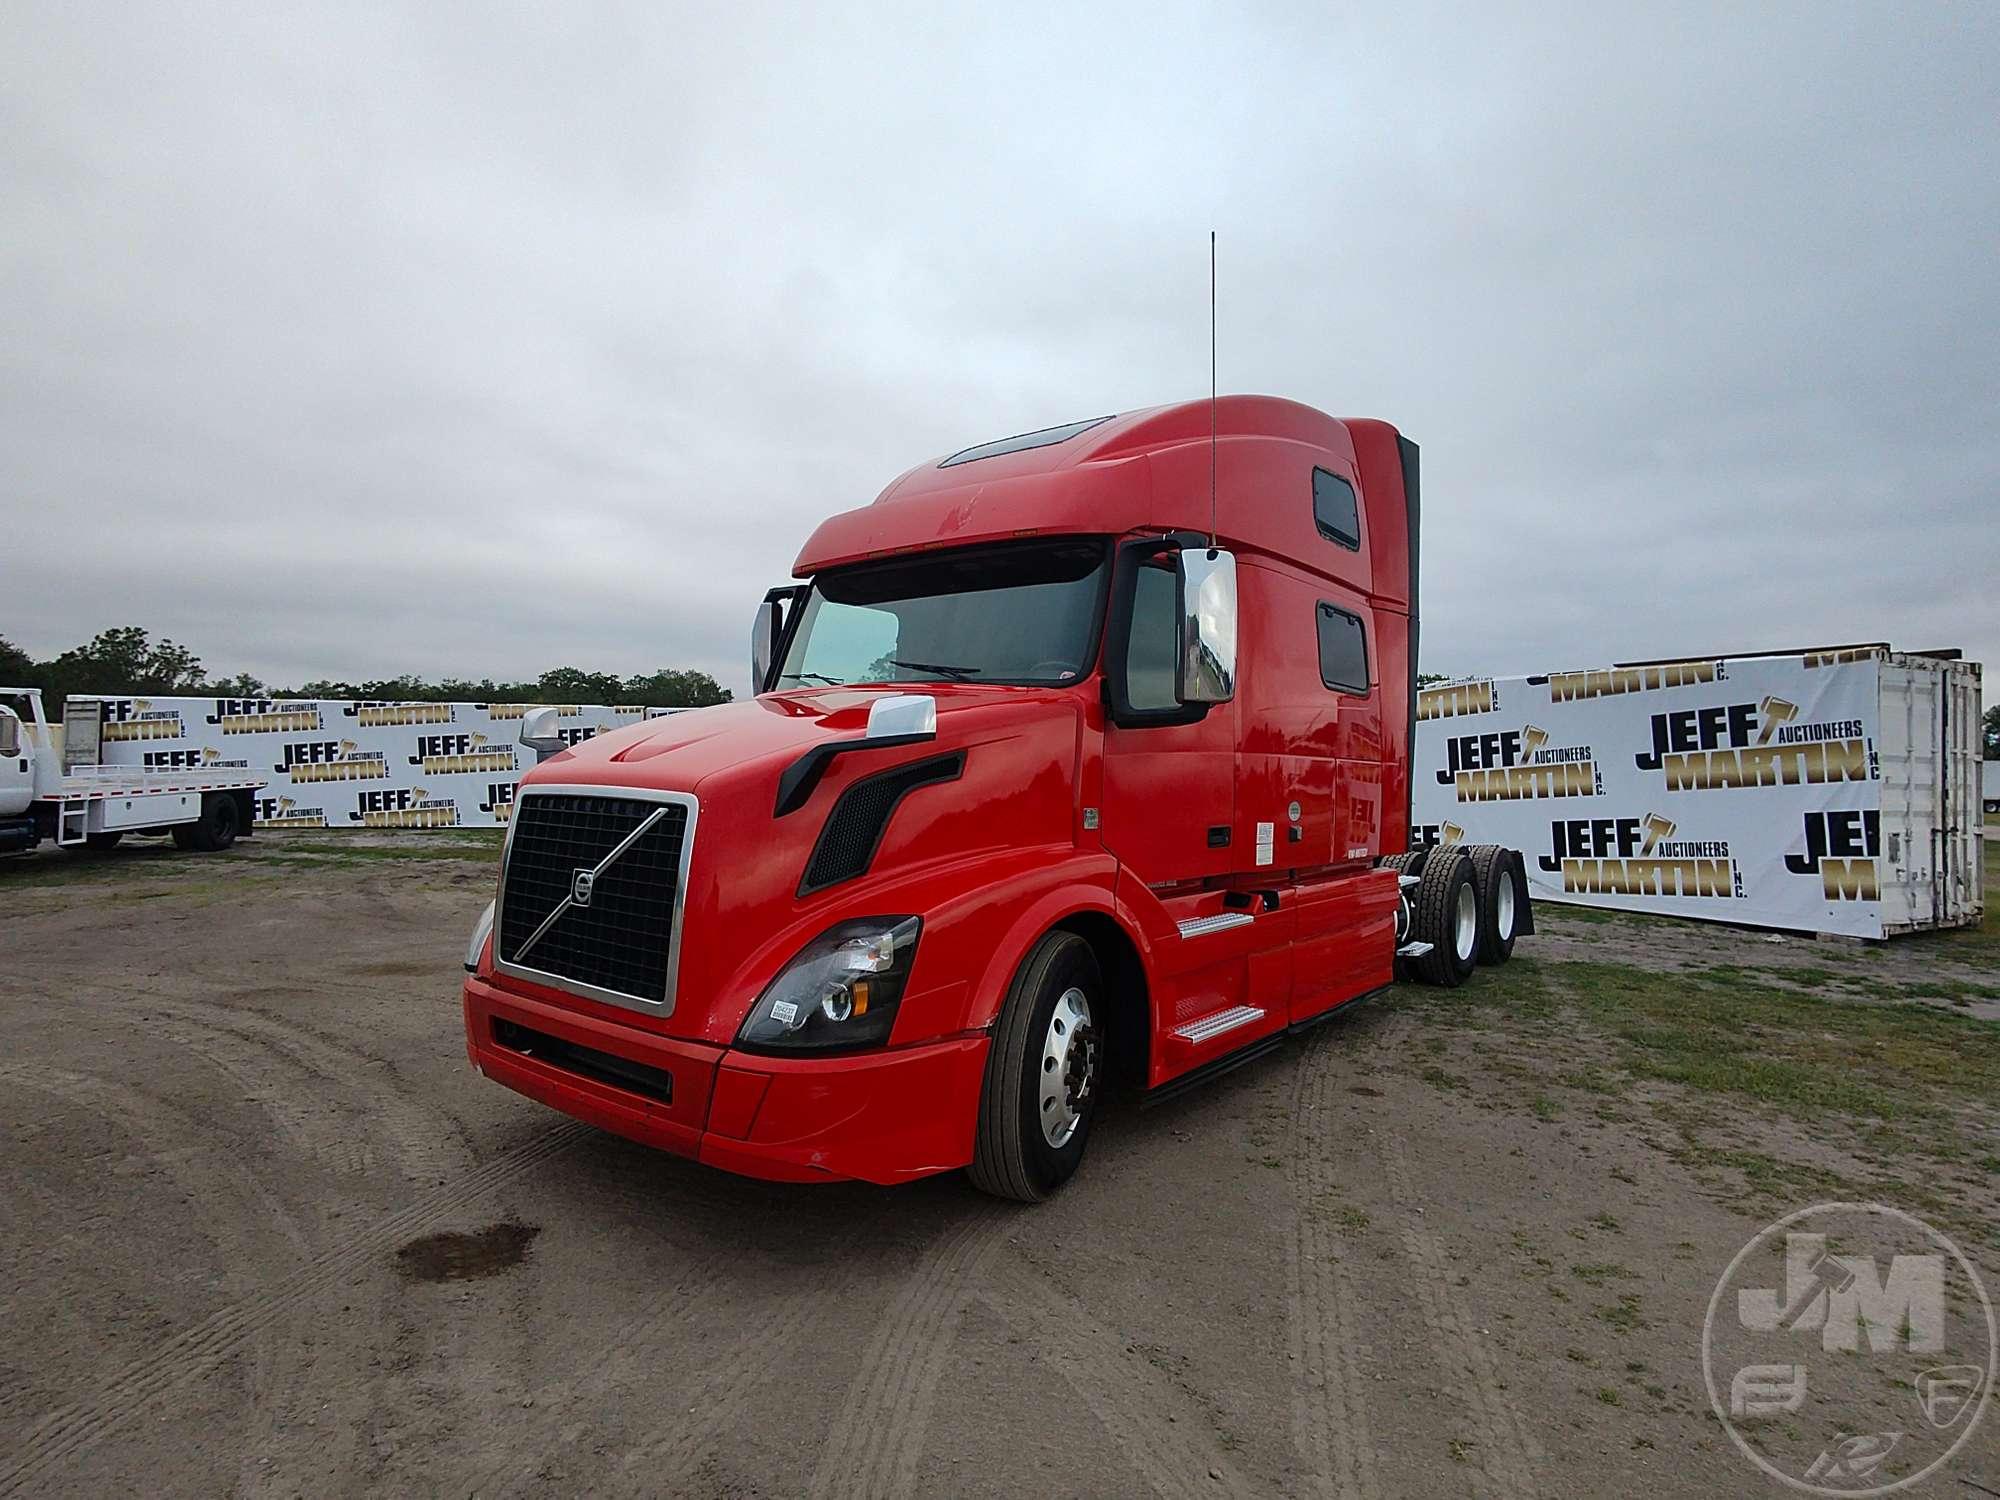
{"x": 336, "y": 763}
{"x": 1741, "y": 790}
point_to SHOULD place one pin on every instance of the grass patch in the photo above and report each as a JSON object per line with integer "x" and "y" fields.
{"x": 1600, "y": 1272}
{"x": 1799, "y": 1053}
{"x": 1622, "y": 1315}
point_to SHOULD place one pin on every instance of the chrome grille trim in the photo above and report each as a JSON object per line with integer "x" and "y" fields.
{"x": 686, "y": 800}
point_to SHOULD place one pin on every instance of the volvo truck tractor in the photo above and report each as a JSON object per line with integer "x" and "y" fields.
{"x": 1078, "y": 758}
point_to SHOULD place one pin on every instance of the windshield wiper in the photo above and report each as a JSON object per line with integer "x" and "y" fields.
{"x": 943, "y": 669}
{"x": 802, "y": 676}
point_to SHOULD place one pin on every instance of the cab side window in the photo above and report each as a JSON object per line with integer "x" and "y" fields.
{"x": 1335, "y": 510}
{"x": 1343, "y": 650}
{"x": 10, "y": 735}
{"x": 1152, "y": 658}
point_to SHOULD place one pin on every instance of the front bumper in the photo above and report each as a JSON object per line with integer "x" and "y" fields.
{"x": 880, "y": 1117}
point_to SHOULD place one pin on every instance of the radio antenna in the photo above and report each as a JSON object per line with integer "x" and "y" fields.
{"x": 1211, "y": 390}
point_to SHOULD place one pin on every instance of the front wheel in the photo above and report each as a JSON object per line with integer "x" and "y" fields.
{"x": 1044, "y": 1072}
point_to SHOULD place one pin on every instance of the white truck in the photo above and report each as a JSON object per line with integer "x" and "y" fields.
{"x": 66, "y": 795}
{"x": 1989, "y": 789}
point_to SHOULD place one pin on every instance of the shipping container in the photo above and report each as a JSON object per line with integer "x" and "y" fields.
{"x": 1833, "y": 791}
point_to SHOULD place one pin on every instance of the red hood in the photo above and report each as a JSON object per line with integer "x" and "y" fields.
{"x": 744, "y": 918}
{"x": 679, "y": 751}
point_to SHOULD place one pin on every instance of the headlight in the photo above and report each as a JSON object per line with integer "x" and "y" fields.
{"x": 841, "y": 991}
{"x": 481, "y": 930}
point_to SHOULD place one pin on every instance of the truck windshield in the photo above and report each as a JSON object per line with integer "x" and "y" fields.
{"x": 1023, "y": 612}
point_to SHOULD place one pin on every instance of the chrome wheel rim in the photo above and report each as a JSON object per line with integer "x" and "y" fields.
{"x": 1503, "y": 907}
{"x": 1068, "y": 1068}
{"x": 1466, "y": 926}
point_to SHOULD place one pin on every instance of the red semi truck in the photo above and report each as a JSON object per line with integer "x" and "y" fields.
{"x": 1076, "y": 757}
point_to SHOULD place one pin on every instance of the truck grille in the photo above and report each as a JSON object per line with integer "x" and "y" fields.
{"x": 613, "y": 935}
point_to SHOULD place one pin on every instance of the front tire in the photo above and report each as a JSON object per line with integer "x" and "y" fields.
{"x": 1044, "y": 1073}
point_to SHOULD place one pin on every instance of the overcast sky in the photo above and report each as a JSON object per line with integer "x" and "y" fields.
{"x": 351, "y": 341}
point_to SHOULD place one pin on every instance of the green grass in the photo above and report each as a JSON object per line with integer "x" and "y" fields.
{"x": 1735, "y": 1032}
{"x": 1601, "y": 1272}
{"x": 1724, "y": 1069}
{"x": 1981, "y": 942}
{"x": 1623, "y": 1314}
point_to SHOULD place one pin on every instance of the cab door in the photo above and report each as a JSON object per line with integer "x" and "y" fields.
{"x": 17, "y": 772}
{"x": 1169, "y": 770}
{"x": 1221, "y": 955}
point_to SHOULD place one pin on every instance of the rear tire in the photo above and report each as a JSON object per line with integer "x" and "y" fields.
{"x": 1501, "y": 901}
{"x": 1044, "y": 1073}
{"x": 1445, "y": 914}
{"x": 215, "y": 829}
{"x": 103, "y": 843}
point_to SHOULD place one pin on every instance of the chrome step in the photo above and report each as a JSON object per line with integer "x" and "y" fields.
{"x": 1414, "y": 949}
{"x": 1222, "y": 921}
{"x": 1221, "y": 1021}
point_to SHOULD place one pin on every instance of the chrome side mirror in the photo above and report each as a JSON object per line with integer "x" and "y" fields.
{"x": 1207, "y": 625}
{"x": 539, "y": 732}
{"x": 763, "y": 644}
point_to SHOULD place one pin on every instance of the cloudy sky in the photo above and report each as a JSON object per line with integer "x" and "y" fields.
{"x": 350, "y": 340}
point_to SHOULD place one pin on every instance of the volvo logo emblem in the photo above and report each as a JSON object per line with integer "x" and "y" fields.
{"x": 580, "y": 886}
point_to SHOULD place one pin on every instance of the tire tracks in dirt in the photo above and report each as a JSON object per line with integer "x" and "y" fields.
{"x": 427, "y": 1145}
{"x": 149, "y": 1121}
{"x": 1330, "y": 1425}
{"x": 209, "y": 1344}
{"x": 162, "y": 1132}
{"x": 331, "y": 1108}
{"x": 755, "y": 1362}
{"x": 1504, "y": 1444}
{"x": 624, "y": 1361}
{"x": 1133, "y": 1401}
{"x": 880, "y": 1427}
{"x": 314, "y": 1134}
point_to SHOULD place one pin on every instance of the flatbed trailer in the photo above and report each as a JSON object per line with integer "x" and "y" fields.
{"x": 89, "y": 805}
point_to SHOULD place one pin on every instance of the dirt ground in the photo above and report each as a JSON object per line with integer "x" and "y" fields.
{"x": 263, "y": 1232}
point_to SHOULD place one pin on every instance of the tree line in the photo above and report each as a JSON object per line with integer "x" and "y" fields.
{"x": 127, "y": 661}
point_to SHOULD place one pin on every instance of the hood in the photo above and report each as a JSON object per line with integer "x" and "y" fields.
{"x": 677, "y": 752}
{"x": 744, "y": 916}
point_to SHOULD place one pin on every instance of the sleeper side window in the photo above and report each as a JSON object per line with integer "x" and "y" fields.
{"x": 1335, "y": 510}
{"x": 1343, "y": 650}
{"x": 1152, "y": 659}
